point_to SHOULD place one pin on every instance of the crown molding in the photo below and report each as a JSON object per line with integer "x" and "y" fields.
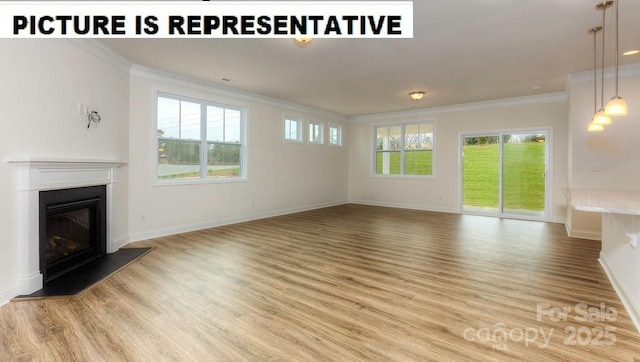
{"x": 506, "y": 102}
{"x": 190, "y": 82}
{"x": 102, "y": 52}
{"x": 629, "y": 70}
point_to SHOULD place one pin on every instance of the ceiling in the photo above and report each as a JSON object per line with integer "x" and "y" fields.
{"x": 463, "y": 51}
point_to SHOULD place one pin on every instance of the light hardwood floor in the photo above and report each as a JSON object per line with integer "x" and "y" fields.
{"x": 349, "y": 283}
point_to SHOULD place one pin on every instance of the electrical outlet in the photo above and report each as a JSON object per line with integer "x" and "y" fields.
{"x": 594, "y": 167}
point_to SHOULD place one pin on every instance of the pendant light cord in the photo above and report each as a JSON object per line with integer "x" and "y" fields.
{"x": 617, "y": 44}
{"x": 604, "y": 12}
{"x": 595, "y": 70}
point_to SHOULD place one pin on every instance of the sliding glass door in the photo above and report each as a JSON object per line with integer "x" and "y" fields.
{"x": 505, "y": 174}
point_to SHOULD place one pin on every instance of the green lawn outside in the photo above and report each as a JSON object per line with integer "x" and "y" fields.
{"x": 481, "y": 174}
{"x": 416, "y": 163}
{"x": 524, "y": 184}
{"x": 227, "y": 172}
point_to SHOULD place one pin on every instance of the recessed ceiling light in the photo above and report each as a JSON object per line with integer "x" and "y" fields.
{"x": 631, "y": 52}
{"x": 536, "y": 88}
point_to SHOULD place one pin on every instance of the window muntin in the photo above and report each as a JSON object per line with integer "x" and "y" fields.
{"x": 315, "y": 132}
{"x": 335, "y": 136}
{"x": 292, "y": 129}
{"x": 404, "y": 149}
{"x": 198, "y": 140}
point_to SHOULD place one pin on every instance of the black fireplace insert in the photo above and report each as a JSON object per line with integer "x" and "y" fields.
{"x": 72, "y": 229}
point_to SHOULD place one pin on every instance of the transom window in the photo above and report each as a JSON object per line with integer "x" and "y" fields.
{"x": 404, "y": 149}
{"x": 335, "y": 136}
{"x": 292, "y": 129}
{"x": 198, "y": 140}
{"x": 315, "y": 132}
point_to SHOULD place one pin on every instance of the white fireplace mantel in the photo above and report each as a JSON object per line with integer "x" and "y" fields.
{"x": 37, "y": 174}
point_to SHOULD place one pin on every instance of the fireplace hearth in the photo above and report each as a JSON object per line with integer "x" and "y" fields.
{"x": 72, "y": 229}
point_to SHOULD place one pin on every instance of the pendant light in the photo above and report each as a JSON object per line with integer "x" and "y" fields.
{"x": 600, "y": 117}
{"x": 592, "y": 126}
{"x": 616, "y": 106}
{"x": 302, "y": 42}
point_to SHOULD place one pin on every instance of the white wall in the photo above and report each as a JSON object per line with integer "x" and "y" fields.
{"x": 442, "y": 193}
{"x": 615, "y": 149}
{"x": 42, "y": 83}
{"x": 282, "y": 177}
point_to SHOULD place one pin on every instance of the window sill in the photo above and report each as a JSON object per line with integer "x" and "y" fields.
{"x": 158, "y": 183}
{"x": 406, "y": 177}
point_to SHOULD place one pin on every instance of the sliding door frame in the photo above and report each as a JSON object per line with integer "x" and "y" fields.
{"x": 548, "y": 132}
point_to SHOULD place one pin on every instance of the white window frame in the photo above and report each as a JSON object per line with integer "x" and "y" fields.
{"x": 339, "y": 140}
{"x": 203, "y": 143}
{"x": 285, "y": 135}
{"x": 310, "y": 126}
{"x": 402, "y": 126}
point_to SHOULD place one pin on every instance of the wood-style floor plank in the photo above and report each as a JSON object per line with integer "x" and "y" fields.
{"x": 347, "y": 283}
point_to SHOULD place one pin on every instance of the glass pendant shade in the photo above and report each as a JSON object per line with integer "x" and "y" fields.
{"x": 601, "y": 119}
{"x": 616, "y": 107}
{"x": 595, "y": 127}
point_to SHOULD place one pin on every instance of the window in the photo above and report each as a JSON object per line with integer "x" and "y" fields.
{"x": 335, "y": 136}
{"x": 315, "y": 132}
{"x": 292, "y": 129}
{"x": 404, "y": 149}
{"x": 198, "y": 140}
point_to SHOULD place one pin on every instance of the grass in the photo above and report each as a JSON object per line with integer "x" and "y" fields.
{"x": 227, "y": 172}
{"x": 524, "y": 184}
{"x": 416, "y": 163}
{"x": 481, "y": 176}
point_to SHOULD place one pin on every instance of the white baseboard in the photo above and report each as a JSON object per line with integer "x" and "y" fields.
{"x": 582, "y": 234}
{"x": 8, "y": 293}
{"x": 222, "y": 222}
{"x": 557, "y": 220}
{"x": 629, "y": 303}
{"x": 406, "y": 206}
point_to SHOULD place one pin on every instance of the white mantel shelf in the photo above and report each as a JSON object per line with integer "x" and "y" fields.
{"x": 47, "y": 173}
{"x": 65, "y": 161}
{"x": 605, "y": 201}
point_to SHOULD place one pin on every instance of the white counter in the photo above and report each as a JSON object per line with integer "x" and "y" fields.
{"x": 605, "y": 201}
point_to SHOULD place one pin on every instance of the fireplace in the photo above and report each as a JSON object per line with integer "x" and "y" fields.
{"x": 40, "y": 174}
{"x": 72, "y": 229}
